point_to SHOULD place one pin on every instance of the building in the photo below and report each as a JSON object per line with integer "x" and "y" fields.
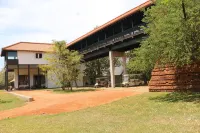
{"x": 112, "y": 39}
{"x": 23, "y": 59}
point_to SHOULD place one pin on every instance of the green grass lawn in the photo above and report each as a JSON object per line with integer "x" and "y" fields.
{"x": 147, "y": 113}
{"x": 8, "y": 101}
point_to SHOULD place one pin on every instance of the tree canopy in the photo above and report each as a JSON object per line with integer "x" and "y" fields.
{"x": 63, "y": 64}
{"x": 2, "y": 78}
{"x": 173, "y": 30}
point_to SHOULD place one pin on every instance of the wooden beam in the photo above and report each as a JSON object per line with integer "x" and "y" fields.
{"x": 38, "y": 79}
{"x": 132, "y": 24}
{"x": 86, "y": 43}
{"x": 18, "y": 75}
{"x": 122, "y": 27}
{"x": 29, "y": 79}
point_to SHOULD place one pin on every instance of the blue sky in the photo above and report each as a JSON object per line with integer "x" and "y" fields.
{"x": 47, "y": 20}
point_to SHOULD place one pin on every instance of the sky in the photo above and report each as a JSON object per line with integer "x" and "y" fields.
{"x": 47, "y": 20}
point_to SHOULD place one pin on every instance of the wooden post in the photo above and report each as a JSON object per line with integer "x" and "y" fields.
{"x": 132, "y": 23}
{"x": 29, "y": 79}
{"x": 122, "y": 27}
{"x": 86, "y": 43}
{"x": 18, "y": 75}
{"x": 46, "y": 80}
{"x": 38, "y": 79}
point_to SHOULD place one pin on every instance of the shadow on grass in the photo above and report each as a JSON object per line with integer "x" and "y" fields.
{"x": 178, "y": 97}
{"x": 4, "y": 102}
{"x": 75, "y": 90}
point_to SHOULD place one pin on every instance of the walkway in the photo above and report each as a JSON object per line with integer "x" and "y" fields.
{"x": 47, "y": 102}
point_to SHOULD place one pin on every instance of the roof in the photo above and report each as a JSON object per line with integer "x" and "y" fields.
{"x": 132, "y": 11}
{"x": 28, "y": 46}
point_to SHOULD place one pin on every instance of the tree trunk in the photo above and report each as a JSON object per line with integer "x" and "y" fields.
{"x": 98, "y": 68}
{"x": 76, "y": 84}
{"x": 145, "y": 79}
{"x": 70, "y": 86}
{"x": 63, "y": 88}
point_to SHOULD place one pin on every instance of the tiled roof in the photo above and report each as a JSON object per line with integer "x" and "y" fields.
{"x": 29, "y": 46}
{"x": 132, "y": 11}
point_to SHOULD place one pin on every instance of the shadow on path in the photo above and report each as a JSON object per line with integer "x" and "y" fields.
{"x": 76, "y": 90}
{"x": 178, "y": 97}
{"x": 3, "y": 101}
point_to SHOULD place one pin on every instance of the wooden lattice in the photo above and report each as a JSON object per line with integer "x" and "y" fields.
{"x": 176, "y": 78}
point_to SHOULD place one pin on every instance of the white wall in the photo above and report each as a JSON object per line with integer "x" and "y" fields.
{"x": 80, "y": 77}
{"x": 49, "y": 83}
{"x": 25, "y": 57}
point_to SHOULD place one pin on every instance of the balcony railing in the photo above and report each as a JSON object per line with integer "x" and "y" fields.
{"x": 120, "y": 37}
{"x": 12, "y": 62}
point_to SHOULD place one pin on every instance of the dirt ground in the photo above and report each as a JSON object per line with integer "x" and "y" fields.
{"x": 47, "y": 102}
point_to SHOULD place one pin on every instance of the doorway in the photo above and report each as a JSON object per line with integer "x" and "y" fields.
{"x": 39, "y": 81}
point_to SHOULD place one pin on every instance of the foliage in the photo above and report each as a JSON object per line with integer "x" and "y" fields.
{"x": 173, "y": 29}
{"x": 63, "y": 65}
{"x": 98, "y": 67}
{"x": 2, "y": 78}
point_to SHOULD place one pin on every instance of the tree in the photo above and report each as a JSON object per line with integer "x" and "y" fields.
{"x": 173, "y": 29}
{"x": 63, "y": 65}
{"x": 98, "y": 67}
{"x": 2, "y": 78}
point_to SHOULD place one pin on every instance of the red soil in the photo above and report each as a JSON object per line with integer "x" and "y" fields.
{"x": 46, "y": 102}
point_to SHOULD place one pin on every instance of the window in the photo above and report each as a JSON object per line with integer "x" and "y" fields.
{"x": 38, "y": 55}
{"x": 12, "y": 55}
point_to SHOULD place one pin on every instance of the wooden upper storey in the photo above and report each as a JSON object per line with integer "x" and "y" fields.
{"x": 121, "y": 23}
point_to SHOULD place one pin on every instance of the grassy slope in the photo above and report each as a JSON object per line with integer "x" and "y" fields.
{"x": 147, "y": 113}
{"x": 8, "y": 101}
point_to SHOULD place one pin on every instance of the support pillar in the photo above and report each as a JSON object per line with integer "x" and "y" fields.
{"x": 112, "y": 68}
{"x": 29, "y": 79}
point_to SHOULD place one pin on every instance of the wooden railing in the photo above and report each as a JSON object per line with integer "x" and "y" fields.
{"x": 130, "y": 33}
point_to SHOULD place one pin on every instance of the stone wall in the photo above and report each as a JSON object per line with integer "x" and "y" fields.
{"x": 175, "y": 78}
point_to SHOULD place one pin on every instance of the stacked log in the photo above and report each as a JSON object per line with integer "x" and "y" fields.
{"x": 169, "y": 78}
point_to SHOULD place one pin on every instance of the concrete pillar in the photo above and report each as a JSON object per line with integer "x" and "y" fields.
{"x": 112, "y": 68}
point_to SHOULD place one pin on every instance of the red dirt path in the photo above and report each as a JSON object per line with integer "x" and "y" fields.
{"x": 47, "y": 102}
